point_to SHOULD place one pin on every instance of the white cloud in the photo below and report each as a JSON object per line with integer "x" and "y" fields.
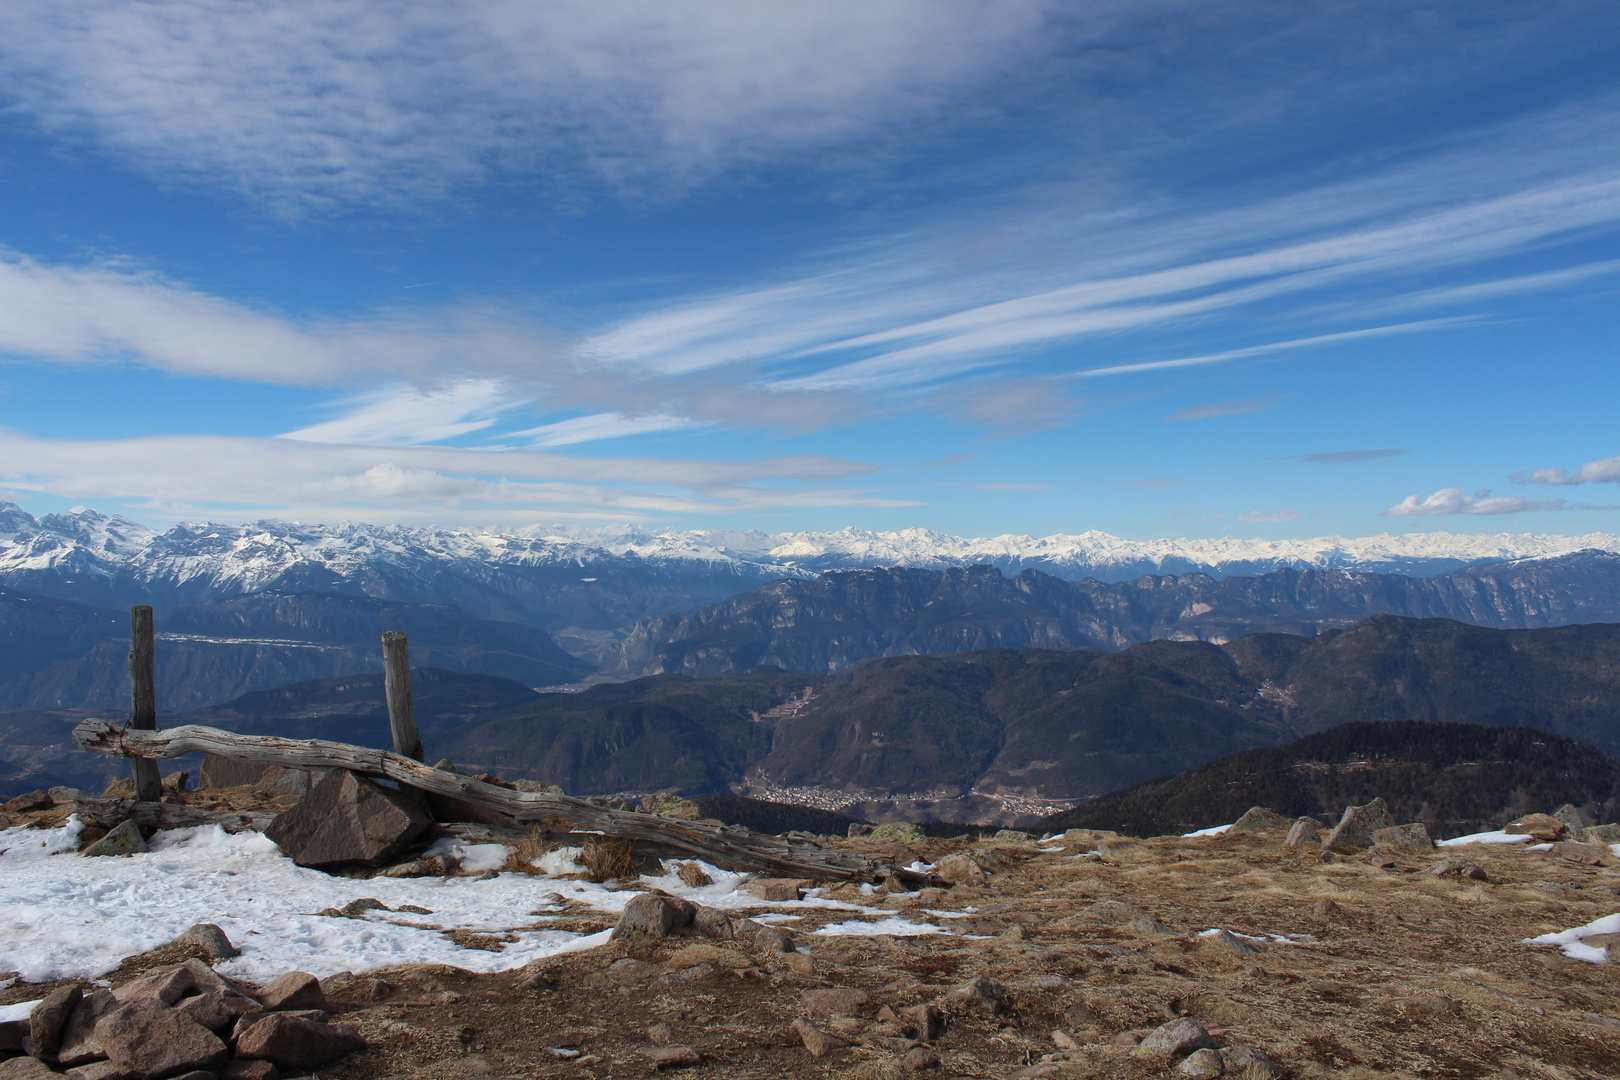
{"x": 326, "y": 482}
{"x": 1453, "y": 501}
{"x": 1603, "y": 471}
{"x": 591, "y": 428}
{"x": 313, "y": 101}
{"x": 1281, "y": 515}
{"x": 407, "y": 415}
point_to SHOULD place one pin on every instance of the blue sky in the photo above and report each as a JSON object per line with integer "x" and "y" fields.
{"x": 1155, "y": 268}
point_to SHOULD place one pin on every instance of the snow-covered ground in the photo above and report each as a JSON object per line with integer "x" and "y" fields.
{"x": 1572, "y": 941}
{"x": 62, "y": 915}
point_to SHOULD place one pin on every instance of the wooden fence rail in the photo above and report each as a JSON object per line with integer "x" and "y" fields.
{"x": 722, "y": 845}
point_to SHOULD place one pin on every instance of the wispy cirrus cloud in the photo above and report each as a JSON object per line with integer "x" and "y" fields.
{"x": 327, "y": 482}
{"x": 1279, "y": 516}
{"x": 1347, "y": 457}
{"x": 1602, "y": 471}
{"x": 410, "y": 415}
{"x": 309, "y": 103}
{"x": 1454, "y": 501}
{"x": 1216, "y": 409}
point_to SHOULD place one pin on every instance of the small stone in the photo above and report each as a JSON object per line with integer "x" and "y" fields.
{"x": 672, "y": 1057}
{"x": 1202, "y": 1064}
{"x": 124, "y": 839}
{"x": 834, "y": 1001}
{"x": 981, "y": 995}
{"x": 167, "y": 985}
{"x": 1459, "y": 868}
{"x": 64, "y": 794}
{"x": 1357, "y": 827}
{"x": 773, "y": 939}
{"x": 26, "y": 1068}
{"x": 1252, "y": 1063}
{"x": 960, "y": 868}
{"x": 1383, "y": 862}
{"x": 1541, "y": 827}
{"x": 920, "y": 1059}
{"x": 660, "y": 1034}
{"x": 96, "y": 1070}
{"x": 1413, "y": 837}
{"x": 27, "y": 804}
{"x": 1325, "y": 908}
{"x": 48, "y": 1020}
{"x": 1064, "y": 1041}
{"x": 146, "y": 1039}
{"x": 294, "y": 990}
{"x": 292, "y": 1042}
{"x": 208, "y": 1010}
{"x": 247, "y": 1020}
{"x": 777, "y": 889}
{"x": 818, "y": 1042}
{"x": 1260, "y": 819}
{"x": 1176, "y": 1038}
{"x": 1149, "y": 926}
{"x": 654, "y": 915}
{"x": 1304, "y": 830}
{"x": 248, "y": 1069}
{"x": 1227, "y": 939}
{"x": 211, "y": 939}
{"x": 1584, "y": 854}
{"x": 926, "y": 1022}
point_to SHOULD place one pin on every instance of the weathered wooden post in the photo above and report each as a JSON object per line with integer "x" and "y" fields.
{"x": 397, "y": 685}
{"x": 143, "y": 700}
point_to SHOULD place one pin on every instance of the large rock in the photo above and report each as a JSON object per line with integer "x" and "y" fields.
{"x": 1260, "y": 819}
{"x": 79, "y": 1045}
{"x": 1356, "y": 827}
{"x": 1304, "y": 830}
{"x": 347, "y": 818}
{"x": 1573, "y": 817}
{"x": 211, "y": 939}
{"x": 26, "y": 1068}
{"x": 291, "y": 1042}
{"x": 655, "y": 915}
{"x": 294, "y": 990}
{"x": 125, "y": 839}
{"x": 1540, "y": 827}
{"x": 1601, "y": 834}
{"x": 48, "y": 1020}
{"x": 147, "y": 1040}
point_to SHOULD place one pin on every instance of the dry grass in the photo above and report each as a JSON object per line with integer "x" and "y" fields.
{"x": 608, "y": 860}
{"x": 527, "y": 852}
{"x": 694, "y": 875}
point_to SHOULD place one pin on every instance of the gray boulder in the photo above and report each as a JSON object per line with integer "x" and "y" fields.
{"x": 1413, "y": 837}
{"x": 1304, "y": 830}
{"x": 211, "y": 939}
{"x": 147, "y": 1040}
{"x": 1356, "y": 828}
{"x": 1180, "y": 1036}
{"x": 49, "y": 1018}
{"x": 1574, "y": 817}
{"x": 1260, "y": 819}
{"x": 125, "y": 839}
{"x": 348, "y": 819}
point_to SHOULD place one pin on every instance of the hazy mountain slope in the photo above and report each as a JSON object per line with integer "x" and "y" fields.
{"x": 647, "y": 735}
{"x": 1456, "y": 778}
{"x": 604, "y": 579}
{"x": 839, "y": 618}
{"x": 215, "y": 651}
{"x": 37, "y": 631}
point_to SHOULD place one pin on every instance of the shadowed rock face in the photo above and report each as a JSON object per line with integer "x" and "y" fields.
{"x": 348, "y": 819}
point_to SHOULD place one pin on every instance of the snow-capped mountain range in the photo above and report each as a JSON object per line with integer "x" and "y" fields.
{"x": 606, "y": 578}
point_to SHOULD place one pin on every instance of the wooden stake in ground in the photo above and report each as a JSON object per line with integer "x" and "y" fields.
{"x": 143, "y": 700}
{"x": 397, "y": 686}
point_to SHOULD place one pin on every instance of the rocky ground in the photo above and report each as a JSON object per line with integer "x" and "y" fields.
{"x": 1060, "y": 959}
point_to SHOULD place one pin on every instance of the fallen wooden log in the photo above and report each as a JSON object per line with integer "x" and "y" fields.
{"x": 728, "y": 846}
{"x": 104, "y": 812}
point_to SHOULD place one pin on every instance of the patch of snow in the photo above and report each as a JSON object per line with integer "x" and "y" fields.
{"x": 561, "y": 862}
{"x": 1572, "y": 941}
{"x": 473, "y": 858}
{"x": 19, "y": 1011}
{"x": 1216, "y": 930}
{"x": 1213, "y": 830}
{"x": 894, "y": 925}
{"x": 1539, "y": 847}
{"x": 1497, "y": 836}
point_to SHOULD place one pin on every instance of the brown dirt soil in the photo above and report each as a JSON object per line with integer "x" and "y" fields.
{"x": 1403, "y": 974}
